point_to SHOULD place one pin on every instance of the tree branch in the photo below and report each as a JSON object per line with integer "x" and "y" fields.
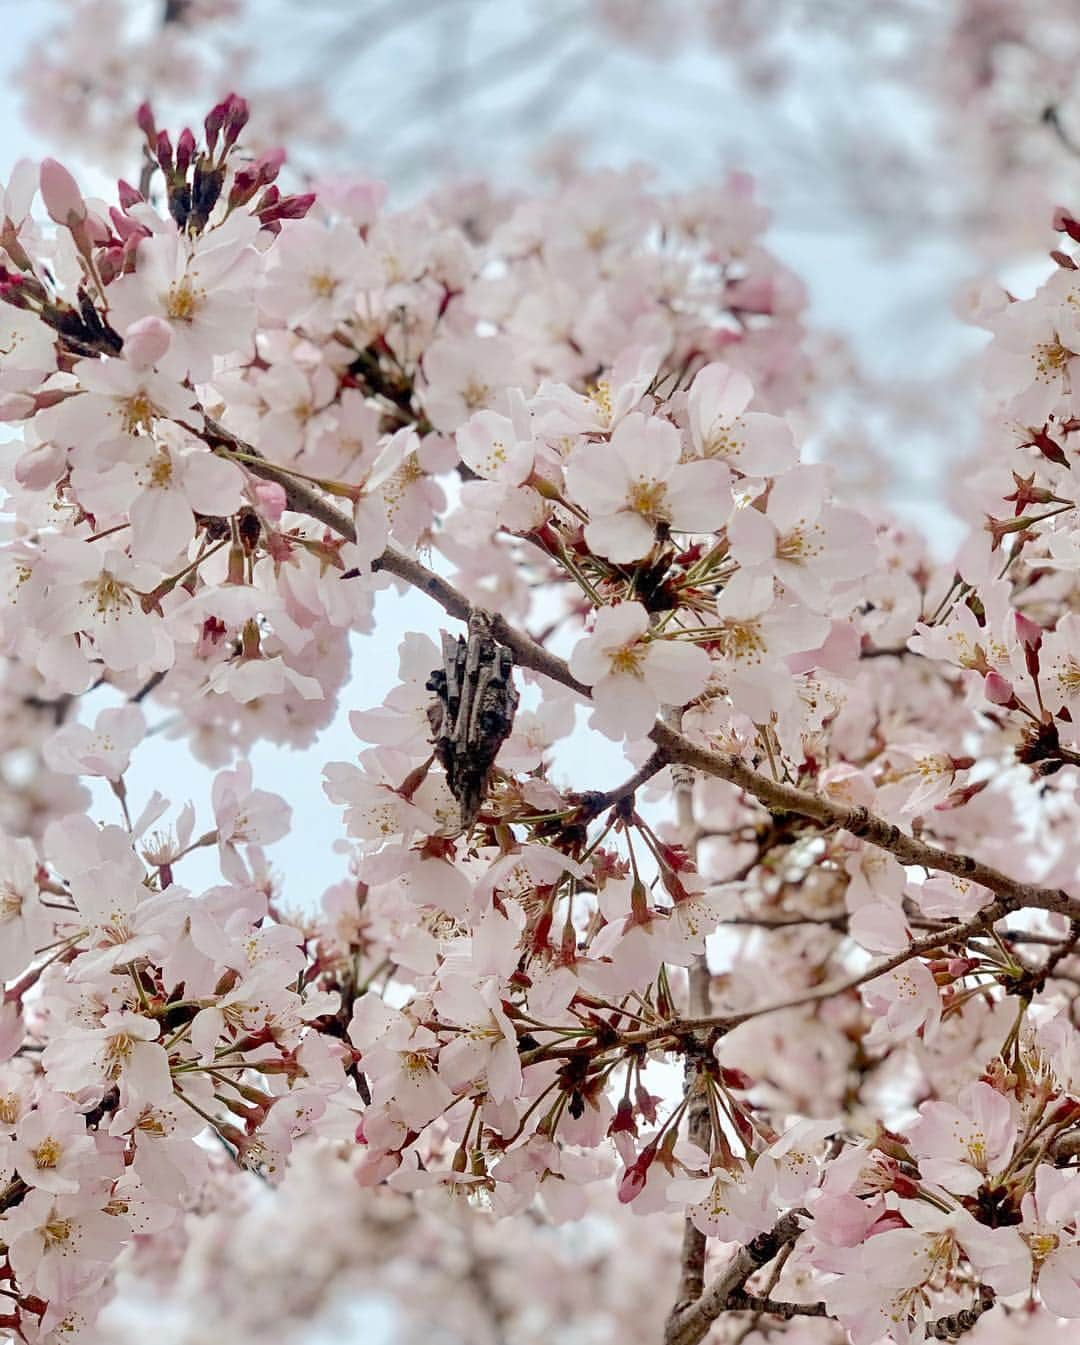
{"x": 739, "y": 1301}
{"x": 300, "y": 496}
{"x": 775, "y": 796}
{"x": 957, "y": 1323}
{"x": 688, "y": 1325}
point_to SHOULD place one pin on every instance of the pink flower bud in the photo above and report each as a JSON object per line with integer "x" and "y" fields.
{"x": 268, "y": 165}
{"x": 215, "y": 119}
{"x": 128, "y": 194}
{"x": 998, "y": 689}
{"x": 144, "y": 119}
{"x": 1030, "y": 634}
{"x": 146, "y": 341}
{"x": 61, "y": 194}
{"x": 289, "y": 207}
{"x": 632, "y": 1184}
{"x": 271, "y": 499}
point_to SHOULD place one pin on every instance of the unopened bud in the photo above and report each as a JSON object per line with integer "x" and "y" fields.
{"x": 61, "y": 194}
{"x": 146, "y": 341}
{"x": 185, "y": 150}
{"x": 1029, "y": 632}
{"x": 999, "y": 690}
{"x": 144, "y": 119}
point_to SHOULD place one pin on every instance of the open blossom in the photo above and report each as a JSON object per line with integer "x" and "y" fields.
{"x": 97, "y": 594}
{"x": 634, "y": 484}
{"x": 751, "y": 442}
{"x": 103, "y": 750}
{"x": 160, "y": 482}
{"x": 883, "y": 1287}
{"x": 51, "y": 1149}
{"x": 484, "y": 1051}
{"x": 753, "y": 636}
{"x": 316, "y": 274}
{"x": 245, "y": 816}
{"x": 23, "y": 919}
{"x": 631, "y": 674}
{"x": 959, "y": 1147}
{"x": 734, "y": 1206}
{"x": 1044, "y": 1248}
{"x": 467, "y": 374}
{"x": 903, "y": 1001}
{"x": 612, "y": 397}
{"x": 60, "y": 1245}
{"x": 502, "y": 452}
{"x": 805, "y": 542}
{"x": 380, "y": 799}
{"x": 114, "y": 398}
{"x": 203, "y": 288}
{"x": 1035, "y": 348}
{"x": 124, "y": 1049}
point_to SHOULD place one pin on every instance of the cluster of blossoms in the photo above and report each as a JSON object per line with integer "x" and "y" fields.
{"x": 241, "y": 413}
{"x": 76, "y": 79}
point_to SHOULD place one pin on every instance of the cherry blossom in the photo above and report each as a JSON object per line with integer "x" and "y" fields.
{"x": 631, "y": 675}
{"x": 635, "y": 483}
{"x": 718, "y": 885}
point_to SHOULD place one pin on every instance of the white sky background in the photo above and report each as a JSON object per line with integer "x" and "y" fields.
{"x": 434, "y": 86}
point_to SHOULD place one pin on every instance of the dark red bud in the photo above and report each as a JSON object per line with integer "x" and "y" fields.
{"x": 236, "y": 118}
{"x": 163, "y": 151}
{"x": 144, "y": 119}
{"x": 185, "y": 150}
{"x": 1066, "y": 223}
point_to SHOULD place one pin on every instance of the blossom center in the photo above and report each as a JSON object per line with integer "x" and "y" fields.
{"x": 137, "y": 412}
{"x": 600, "y": 394}
{"x": 649, "y": 498}
{"x": 184, "y": 301}
{"x": 118, "y": 1051}
{"x": 627, "y": 661}
{"x": 1041, "y": 1245}
{"x": 323, "y": 285}
{"x": 56, "y": 1230}
{"x": 795, "y": 547}
{"x": 741, "y": 641}
{"x": 47, "y": 1154}
{"x": 161, "y": 472}
{"x": 475, "y": 395}
{"x": 1051, "y": 358}
{"x": 11, "y": 902}
{"x": 1068, "y": 677}
{"x": 109, "y": 595}
{"x": 722, "y": 443}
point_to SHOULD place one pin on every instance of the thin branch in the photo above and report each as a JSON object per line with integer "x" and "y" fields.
{"x": 598, "y": 802}
{"x": 300, "y": 497}
{"x": 739, "y": 1301}
{"x": 863, "y": 824}
{"x": 689, "y": 1325}
{"x": 957, "y": 1323}
{"x": 955, "y": 934}
{"x": 774, "y": 795}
